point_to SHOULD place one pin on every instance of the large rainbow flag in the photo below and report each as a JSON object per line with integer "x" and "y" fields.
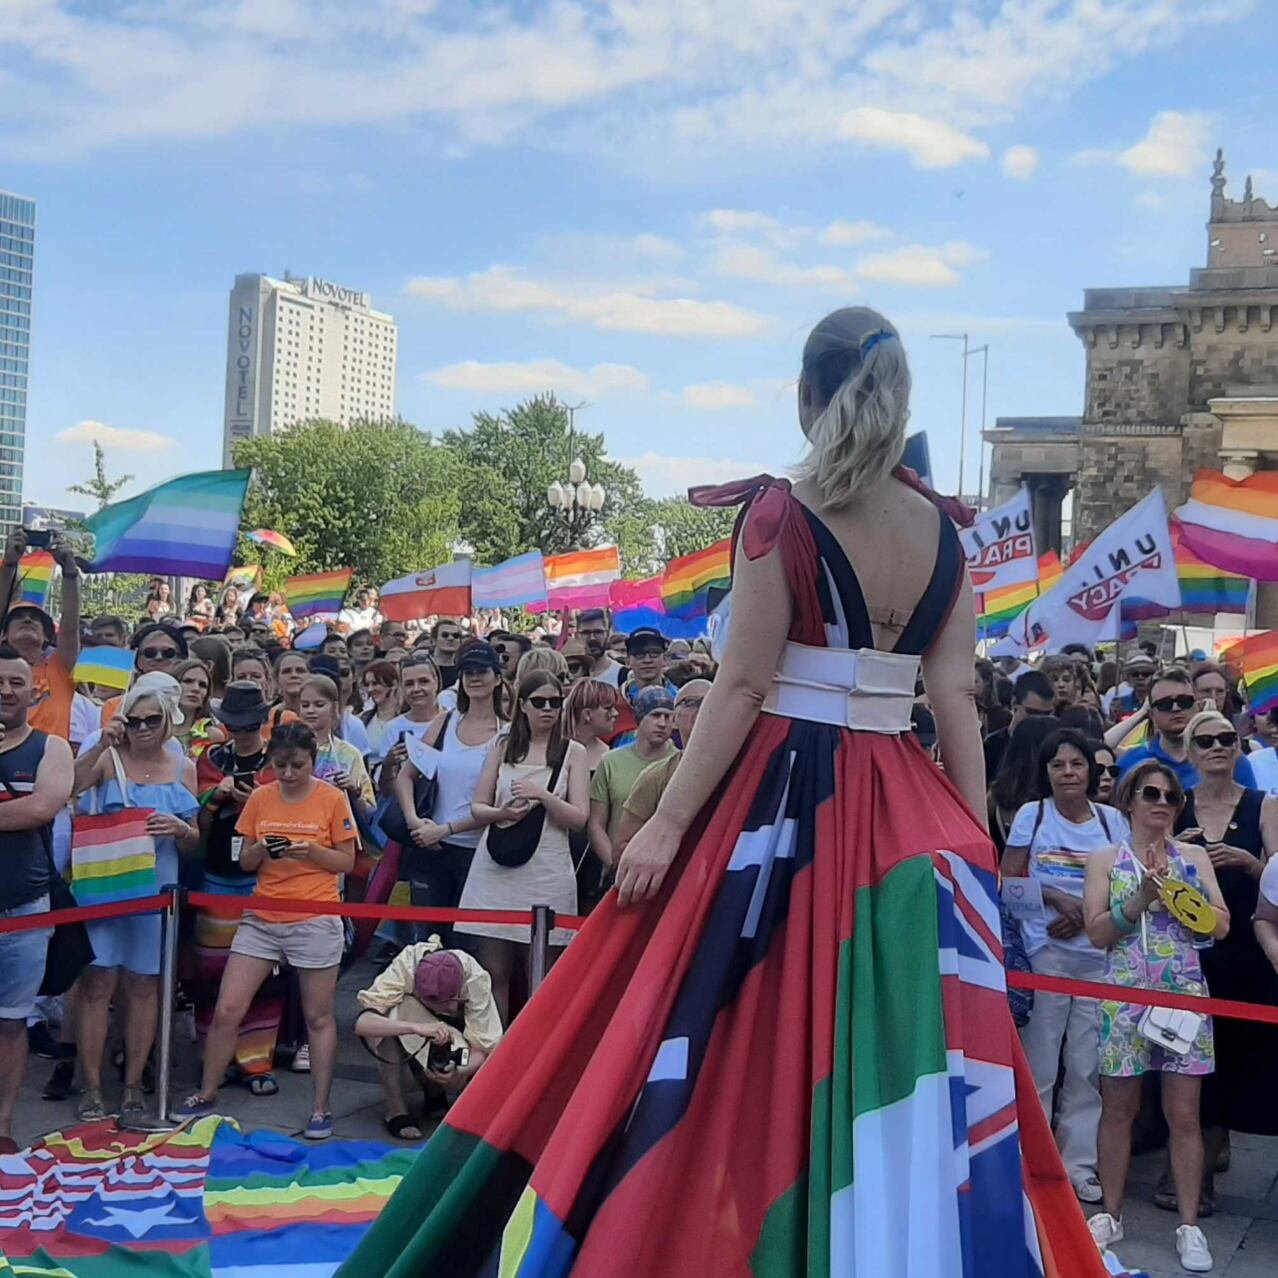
{"x": 1233, "y": 523}
{"x": 687, "y": 581}
{"x": 185, "y": 528}
{"x": 1257, "y": 657}
{"x": 317, "y": 594}
{"x": 1205, "y": 587}
{"x": 997, "y": 608}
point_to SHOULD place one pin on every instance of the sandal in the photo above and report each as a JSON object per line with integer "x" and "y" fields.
{"x": 262, "y": 1084}
{"x": 91, "y": 1108}
{"x": 400, "y": 1125}
{"x": 132, "y": 1106}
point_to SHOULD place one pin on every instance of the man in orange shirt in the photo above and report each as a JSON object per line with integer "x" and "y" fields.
{"x": 51, "y": 653}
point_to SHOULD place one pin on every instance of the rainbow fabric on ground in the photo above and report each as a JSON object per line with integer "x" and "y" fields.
{"x": 185, "y": 528}
{"x": 317, "y": 594}
{"x": 35, "y": 577}
{"x": 998, "y": 607}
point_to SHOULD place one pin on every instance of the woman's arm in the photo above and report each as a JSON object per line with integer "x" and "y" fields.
{"x": 1269, "y": 826}
{"x": 761, "y": 614}
{"x": 571, "y": 813}
{"x": 1015, "y": 863}
{"x": 597, "y": 832}
{"x": 950, "y": 679}
{"x": 1266, "y": 925}
{"x": 482, "y": 803}
{"x": 1207, "y": 875}
{"x": 338, "y": 860}
{"x": 1125, "y": 727}
{"x": 1101, "y": 930}
{"x": 88, "y": 768}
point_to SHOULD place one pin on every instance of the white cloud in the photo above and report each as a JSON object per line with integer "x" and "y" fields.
{"x": 849, "y": 234}
{"x": 715, "y": 395}
{"x": 762, "y": 266}
{"x": 1176, "y": 145}
{"x": 536, "y": 375}
{"x": 656, "y": 246}
{"x": 625, "y": 310}
{"x": 125, "y": 441}
{"x": 920, "y": 265}
{"x": 1151, "y": 200}
{"x": 931, "y": 144}
{"x": 1020, "y": 162}
{"x": 664, "y": 476}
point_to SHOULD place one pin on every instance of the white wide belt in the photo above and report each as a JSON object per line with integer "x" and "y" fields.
{"x": 862, "y": 689}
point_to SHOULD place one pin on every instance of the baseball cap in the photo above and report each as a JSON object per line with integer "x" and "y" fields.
{"x": 439, "y": 978}
{"x": 478, "y": 655}
{"x": 645, "y": 637}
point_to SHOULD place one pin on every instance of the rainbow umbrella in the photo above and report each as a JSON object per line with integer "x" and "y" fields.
{"x": 265, "y": 537}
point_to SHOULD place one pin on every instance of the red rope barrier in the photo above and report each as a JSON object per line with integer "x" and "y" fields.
{"x": 1227, "y": 1007}
{"x": 85, "y": 913}
{"x": 361, "y": 910}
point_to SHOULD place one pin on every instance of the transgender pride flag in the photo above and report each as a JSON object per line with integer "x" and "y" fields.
{"x": 511, "y": 584}
{"x": 185, "y": 528}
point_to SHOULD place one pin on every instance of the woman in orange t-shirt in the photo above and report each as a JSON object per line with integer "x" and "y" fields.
{"x": 299, "y": 835}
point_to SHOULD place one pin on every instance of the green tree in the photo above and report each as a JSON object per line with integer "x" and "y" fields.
{"x": 99, "y": 487}
{"x": 382, "y": 498}
{"x": 510, "y": 460}
{"x": 682, "y": 528}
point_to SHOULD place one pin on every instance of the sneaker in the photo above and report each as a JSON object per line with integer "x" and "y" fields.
{"x": 320, "y": 1127}
{"x": 196, "y": 1106}
{"x": 302, "y": 1060}
{"x": 1191, "y": 1247}
{"x": 58, "y": 1088}
{"x": 91, "y": 1108}
{"x": 42, "y": 1044}
{"x": 1105, "y": 1229}
{"x": 1088, "y": 1190}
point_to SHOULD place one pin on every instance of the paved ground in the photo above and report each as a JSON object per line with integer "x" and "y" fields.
{"x": 1243, "y": 1234}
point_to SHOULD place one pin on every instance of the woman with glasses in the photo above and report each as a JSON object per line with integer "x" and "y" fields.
{"x": 537, "y": 766}
{"x": 1148, "y": 948}
{"x": 1239, "y": 829}
{"x": 1050, "y": 842}
{"x": 590, "y": 717}
{"x": 1106, "y": 772}
{"x": 132, "y": 767}
{"x": 157, "y": 646}
{"x": 444, "y": 837}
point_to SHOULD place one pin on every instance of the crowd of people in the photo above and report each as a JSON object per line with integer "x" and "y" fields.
{"x": 460, "y": 764}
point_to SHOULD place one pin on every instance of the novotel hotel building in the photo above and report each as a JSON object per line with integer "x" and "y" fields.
{"x": 298, "y": 349}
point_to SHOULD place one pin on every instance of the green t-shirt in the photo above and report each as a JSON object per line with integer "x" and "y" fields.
{"x": 615, "y": 777}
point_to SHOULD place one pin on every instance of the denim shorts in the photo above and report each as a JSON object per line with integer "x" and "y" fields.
{"x": 22, "y": 957}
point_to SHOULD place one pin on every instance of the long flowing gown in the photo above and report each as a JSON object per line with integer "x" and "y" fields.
{"x": 798, "y": 1060}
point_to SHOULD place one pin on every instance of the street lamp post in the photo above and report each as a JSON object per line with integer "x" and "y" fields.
{"x": 959, "y": 337}
{"x": 578, "y": 497}
{"x": 984, "y": 353}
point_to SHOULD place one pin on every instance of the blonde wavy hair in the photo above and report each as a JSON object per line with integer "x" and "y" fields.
{"x": 856, "y": 380}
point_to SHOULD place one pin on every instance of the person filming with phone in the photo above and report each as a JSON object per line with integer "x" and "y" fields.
{"x": 431, "y": 1010}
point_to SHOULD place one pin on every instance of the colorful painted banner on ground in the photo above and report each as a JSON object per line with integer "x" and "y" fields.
{"x": 107, "y": 667}
{"x": 185, "y": 528}
{"x": 97, "y": 1202}
{"x": 996, "y": 608}
{"x": 1232, "y": 523}
{"x": 1257, "y": 657}
{"x": 688, "y": 581}
{"x": 35, "y": 577}
{"x": 510, "y": 584}
{"x": 317, "y": 594}
{"x": 445, "y": 590}
{"x": 1000, "y": 545}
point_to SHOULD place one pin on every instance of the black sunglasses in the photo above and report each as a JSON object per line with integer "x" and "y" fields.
{"x": 448, "y": 634}
{"x": 158, "y": 654}
{"x": 144, "y": 723}
{"x": 546, "y": 703}
{"x": 1167, "y": 704}
{"x": 1109, "y": 769}
{"x": 1154, "y": 794}
{"x": 1205, "y": 740}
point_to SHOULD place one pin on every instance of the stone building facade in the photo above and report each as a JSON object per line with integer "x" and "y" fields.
{"x": 1178, "y": 378}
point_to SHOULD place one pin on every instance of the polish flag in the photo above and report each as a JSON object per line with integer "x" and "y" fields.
{"x": 445, "y": 589}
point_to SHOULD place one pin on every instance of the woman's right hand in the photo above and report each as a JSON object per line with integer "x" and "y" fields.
{"x": 427, "y": 833}
{"x": 113, "y": 733}
{"x": 397, "y": 756}
{"x": 513, "y": 811}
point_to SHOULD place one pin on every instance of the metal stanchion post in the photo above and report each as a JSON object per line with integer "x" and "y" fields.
{"x": 539, "y": 951}
{"x": 160, "y": 1120}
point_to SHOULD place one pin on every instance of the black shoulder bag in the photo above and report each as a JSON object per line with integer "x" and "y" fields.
{"x": 392, "y": 821}
{"x": 514, "y": 845}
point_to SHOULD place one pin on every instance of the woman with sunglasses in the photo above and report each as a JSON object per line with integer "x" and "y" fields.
{"x": 132, "y": 767}
{"x": 1239, "y": 829}
{"x": 590, "y": 716}
{"x": 444, "y": 839}
{"x": 1050, "y": 842}
{"x": 535, "y": 764}
{"x": 1106, "y": 772}
{"x": 1148, "y": 948}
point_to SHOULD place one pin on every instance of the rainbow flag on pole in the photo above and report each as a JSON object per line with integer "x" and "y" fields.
{"x": 1257, "y": 657}
{"x": 688, "y": 580}
{"x": 581, "y": 578}
{"x": 1206, "y": 588}
{"x": 998, "y": 607}
{"x": 35, "y": 577}
{"x": 317, "y": 594}
{"x": 185, "y": 528}
{"x": 1233, "y": 524}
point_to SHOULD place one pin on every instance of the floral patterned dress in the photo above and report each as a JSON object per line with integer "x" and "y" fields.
{"x": 1159, "y": 954}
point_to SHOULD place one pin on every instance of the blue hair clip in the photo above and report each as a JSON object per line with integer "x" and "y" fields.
{"x": 872, "y": 339}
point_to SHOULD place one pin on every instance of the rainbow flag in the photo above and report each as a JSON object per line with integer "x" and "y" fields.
{"x": 1233, "y": 524}
{"x": 244, "y": 577}
{"x": 185, "y": 528}
{"x": 1257, "y": 657}
{"x": 110, "y": 667}
{"x": 998, "y": 607}
{"x": 317, "y": 594}
{"x": 688, "y": 580}
{"x": 1206, "y": 588}
{"x": 35, "y": 577}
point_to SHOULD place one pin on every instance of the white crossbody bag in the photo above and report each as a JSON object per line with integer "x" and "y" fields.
{"x": 1171, "y": 1028}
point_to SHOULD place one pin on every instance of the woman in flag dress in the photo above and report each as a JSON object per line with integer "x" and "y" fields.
{"x": 783, "y": 1047}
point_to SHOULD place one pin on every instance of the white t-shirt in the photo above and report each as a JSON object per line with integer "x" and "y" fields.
{"x": 1264, "y": 768}
{"x": 402, "y": 723}
{"x": 354, "y": 731}
{"x": 1269, "y": 882}
{"x": 611, "y": 676}
{"x": 1058, "y": 852}
{"x": 86, "y": 717}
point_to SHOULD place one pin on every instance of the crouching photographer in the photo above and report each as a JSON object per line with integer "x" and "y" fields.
{"x": 431, "y": 1011}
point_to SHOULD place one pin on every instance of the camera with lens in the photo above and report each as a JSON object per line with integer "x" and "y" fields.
{"x": 443, "y": 1057}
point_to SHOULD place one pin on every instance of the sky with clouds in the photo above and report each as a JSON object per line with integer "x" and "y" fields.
{"x": 640, "y": 204}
